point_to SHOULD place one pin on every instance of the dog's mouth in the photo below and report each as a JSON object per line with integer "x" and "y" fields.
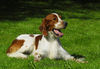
{"x": 58, "y": 32}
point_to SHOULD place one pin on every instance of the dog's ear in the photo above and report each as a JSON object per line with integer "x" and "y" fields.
{"x": 43, "y": 27}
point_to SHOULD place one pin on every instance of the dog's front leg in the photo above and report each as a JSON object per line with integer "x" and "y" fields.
{"x": 64, "y": 54}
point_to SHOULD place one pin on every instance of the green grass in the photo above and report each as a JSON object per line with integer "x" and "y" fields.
{"x": 82, "y": 37}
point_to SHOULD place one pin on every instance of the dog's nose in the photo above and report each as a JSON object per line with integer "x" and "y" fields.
{"x": 65, "y": 24}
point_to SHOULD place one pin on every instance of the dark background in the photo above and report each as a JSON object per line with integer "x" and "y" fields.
{"x": 20, "y": 9}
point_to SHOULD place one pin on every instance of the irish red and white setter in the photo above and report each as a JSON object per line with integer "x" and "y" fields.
{"x": 45, "y": 45}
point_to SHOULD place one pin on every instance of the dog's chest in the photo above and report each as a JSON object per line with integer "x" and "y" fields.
{"x": 48, "y": 48}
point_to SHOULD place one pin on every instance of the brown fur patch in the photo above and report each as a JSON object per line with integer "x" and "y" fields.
{"x": 16, "y": 44}
{"x": 31, "y": 35}
{"x": 37, "y": 41}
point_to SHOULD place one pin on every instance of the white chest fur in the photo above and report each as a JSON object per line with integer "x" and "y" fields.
{"x": 48, "y": 48}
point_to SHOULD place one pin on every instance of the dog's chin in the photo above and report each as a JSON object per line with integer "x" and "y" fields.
{"x": 57, "y": 32}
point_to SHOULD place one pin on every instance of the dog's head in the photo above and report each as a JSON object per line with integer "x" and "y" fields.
{"x": 54, "y": 23}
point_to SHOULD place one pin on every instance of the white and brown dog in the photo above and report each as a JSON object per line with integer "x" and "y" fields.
{"x": 40, "y": 46}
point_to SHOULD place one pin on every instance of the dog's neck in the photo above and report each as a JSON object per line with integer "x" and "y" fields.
{"x": 51, "y": 36}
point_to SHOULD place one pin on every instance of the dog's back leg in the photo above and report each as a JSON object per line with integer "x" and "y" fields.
{"x": 17, "y": 55}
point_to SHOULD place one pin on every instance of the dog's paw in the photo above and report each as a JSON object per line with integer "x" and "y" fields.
{"x": 80, "y": 60}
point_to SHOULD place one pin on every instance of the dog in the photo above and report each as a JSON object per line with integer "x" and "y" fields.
{"x": 41, "y": 46}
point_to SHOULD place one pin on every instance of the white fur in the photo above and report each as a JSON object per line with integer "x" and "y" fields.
{"x": 48, "y": 47}
{"x": 58, "y": 24}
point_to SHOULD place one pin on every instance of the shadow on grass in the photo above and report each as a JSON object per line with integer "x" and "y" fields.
{"x": 78, "y": 56}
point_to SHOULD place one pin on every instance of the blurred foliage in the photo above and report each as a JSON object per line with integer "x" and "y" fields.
{"x": 20, "y": 9}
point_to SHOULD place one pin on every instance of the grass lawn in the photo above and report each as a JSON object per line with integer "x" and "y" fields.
{"x": 81, "y": 37}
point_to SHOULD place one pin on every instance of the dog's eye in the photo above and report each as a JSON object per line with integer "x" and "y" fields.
{"x": 54, "y": 18}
